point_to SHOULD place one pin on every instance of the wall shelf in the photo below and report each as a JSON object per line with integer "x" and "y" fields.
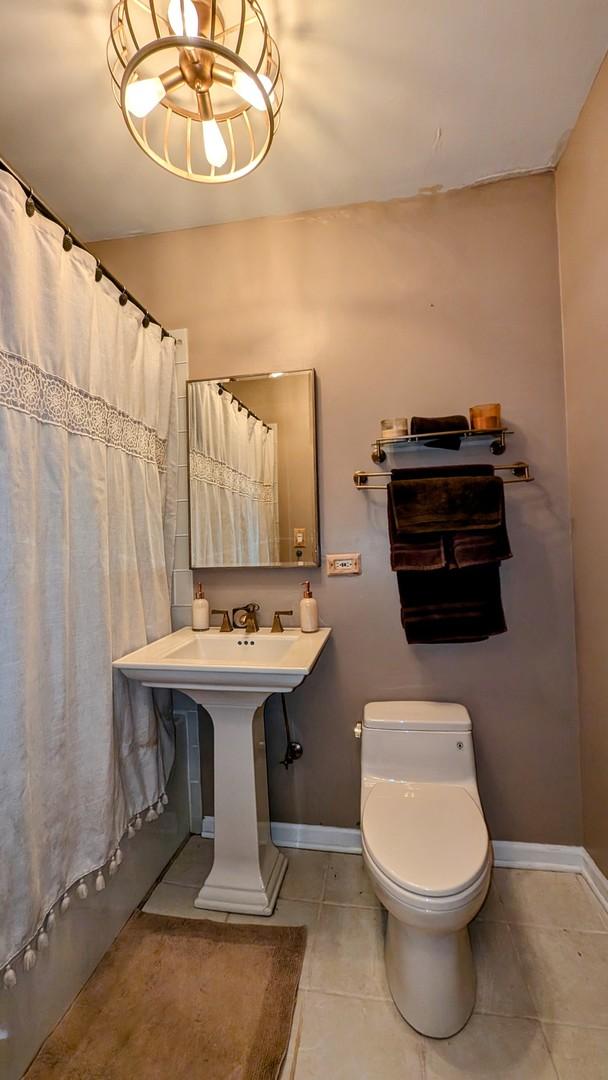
{"x": 497, "y": 437}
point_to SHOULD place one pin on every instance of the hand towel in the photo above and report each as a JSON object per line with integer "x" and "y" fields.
{"x": 451, "y": 605}
{"x": 450, "y": 517}
{"x": 421, "y": 425}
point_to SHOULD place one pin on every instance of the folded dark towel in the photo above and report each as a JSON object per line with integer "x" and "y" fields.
{"x": 450, "y": 517}
{"x": 423, "y": 425}
{"x": 447, "y": 561}
{"x": 451, "y": 605}
{"x": 447, "y": 504}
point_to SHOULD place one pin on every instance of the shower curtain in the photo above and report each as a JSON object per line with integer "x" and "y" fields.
{"x": 233, "y": 482}
{"x": 87, "y": 527}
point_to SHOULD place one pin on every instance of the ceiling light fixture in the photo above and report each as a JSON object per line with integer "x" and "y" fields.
{"x": 215, "y": 73}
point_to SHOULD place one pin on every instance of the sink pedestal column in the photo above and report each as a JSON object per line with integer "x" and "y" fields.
{"x": 247, "y": 868}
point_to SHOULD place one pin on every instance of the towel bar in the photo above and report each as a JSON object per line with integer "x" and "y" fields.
{"x": 520, "y": 470}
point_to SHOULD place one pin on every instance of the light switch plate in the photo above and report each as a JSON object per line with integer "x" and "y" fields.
{"x": 343, "y": 564}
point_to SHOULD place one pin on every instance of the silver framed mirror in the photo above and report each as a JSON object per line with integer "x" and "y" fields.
{"x": 252, "y": 470}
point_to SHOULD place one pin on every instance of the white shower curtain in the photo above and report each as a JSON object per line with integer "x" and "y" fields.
{"x": 233, "y": 482}
{"x": 87, "y": 527}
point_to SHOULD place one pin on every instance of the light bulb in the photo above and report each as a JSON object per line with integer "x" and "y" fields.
{"x": 213, "y": 142}
{"x": 246, "y": 88}
{"x": 142, "y": 95}
{"x": 268, "y": 86}
{"x": 188, "y": 25}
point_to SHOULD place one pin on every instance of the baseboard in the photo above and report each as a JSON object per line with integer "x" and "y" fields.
{"x": 506, "y": 853}
{"x": 311, "y": 837}
{"x": 596, "y": 881}
{"x": 522, "y": 856}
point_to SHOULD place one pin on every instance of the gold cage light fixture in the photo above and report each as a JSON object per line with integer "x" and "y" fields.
{"x": 199, "y": 85}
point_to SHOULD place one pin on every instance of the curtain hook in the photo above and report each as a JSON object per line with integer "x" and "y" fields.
{"x": 220, "y": 389}
{"x": 68, "y": 243}
{"x": 145, "y": 322}
{"x": 30, "y": 205}
{"x": 98, "y": 270}
{"x": 123, "y": 298}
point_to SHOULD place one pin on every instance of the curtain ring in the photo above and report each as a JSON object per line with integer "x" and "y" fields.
{"x": 98, "y": 270}
{"x": 145, "y": 322}
{"x": 220, "y": 389}
{"x": 240, "y": 406}
{"x": 68, "y": 243}
{"x": 123, "y": 298}
{"x": 30, "y": 205}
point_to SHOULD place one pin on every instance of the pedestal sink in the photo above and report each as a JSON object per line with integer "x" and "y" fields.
{"x": 231, "y": 675}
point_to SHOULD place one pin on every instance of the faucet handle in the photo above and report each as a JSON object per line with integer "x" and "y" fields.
{"x": 246, "y": 617}
{"x": 277, "y": 625}
{"x": 226, "y": 626}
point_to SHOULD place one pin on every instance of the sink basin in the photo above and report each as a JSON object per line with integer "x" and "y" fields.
{"x": 189, "y": 659}
{"x": 232, "y": 675}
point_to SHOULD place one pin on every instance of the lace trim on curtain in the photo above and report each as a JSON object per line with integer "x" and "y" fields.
{"x": 212, "y": 471}
{"x": 29, "y": 389}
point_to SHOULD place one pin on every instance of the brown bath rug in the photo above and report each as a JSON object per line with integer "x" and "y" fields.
{"x": 181, "y": 999}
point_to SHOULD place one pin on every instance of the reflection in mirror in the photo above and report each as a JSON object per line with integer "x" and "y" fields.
{"x": 253, "y": 471}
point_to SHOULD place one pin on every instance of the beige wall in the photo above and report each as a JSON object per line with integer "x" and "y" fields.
{"x": 582, "y": 206}
{"x": 417, "y": 306}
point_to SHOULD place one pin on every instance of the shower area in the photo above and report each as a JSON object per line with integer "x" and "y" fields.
{"x": 94, "y": 792}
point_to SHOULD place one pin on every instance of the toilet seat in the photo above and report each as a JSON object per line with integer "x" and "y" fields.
{"x": 427, "y": 840}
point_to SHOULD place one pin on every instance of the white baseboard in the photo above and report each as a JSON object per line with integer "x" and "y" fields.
{"x": 522, "y": 856}
{"x": 311, "y": 837}
{"x": 596, "y": 881}
{"x": 514, "y": 854}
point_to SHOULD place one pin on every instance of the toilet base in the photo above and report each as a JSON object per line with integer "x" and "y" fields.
{"x": 431, "y": 977}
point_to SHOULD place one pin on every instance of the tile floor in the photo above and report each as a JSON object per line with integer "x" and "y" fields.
{"x": 541, "y": 951}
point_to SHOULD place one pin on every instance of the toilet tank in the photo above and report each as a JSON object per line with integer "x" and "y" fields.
{"x": 418, "y": 741}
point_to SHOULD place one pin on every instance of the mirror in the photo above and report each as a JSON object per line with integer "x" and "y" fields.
{"x": 252, "y": 470}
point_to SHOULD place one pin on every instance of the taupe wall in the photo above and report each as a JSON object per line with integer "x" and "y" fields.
{"x": 425, "y": 305}
{"x": 582, "y": 203}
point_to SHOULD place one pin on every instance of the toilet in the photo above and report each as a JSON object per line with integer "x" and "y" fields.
{"x": 428, "y": 854}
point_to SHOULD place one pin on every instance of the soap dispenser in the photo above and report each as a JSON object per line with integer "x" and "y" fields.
{"x": 309, "y": 611}
{"x": 200, "y": 610}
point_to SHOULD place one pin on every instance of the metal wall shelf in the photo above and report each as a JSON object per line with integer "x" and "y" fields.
{"x": 497, "y": 437}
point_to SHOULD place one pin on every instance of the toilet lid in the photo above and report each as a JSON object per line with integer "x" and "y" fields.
{"x": 428, "y": 838}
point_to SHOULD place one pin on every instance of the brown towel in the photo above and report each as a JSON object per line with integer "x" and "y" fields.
{"x": 421, "y": 425}
{"x": 450, "y": 517}
{"x": 451, "y": 605}
{"x": 447, "y": 560}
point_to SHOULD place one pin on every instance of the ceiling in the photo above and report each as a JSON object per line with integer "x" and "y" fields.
{"x": 382, "y": 100}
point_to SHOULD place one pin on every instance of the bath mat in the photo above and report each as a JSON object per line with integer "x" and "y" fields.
{"x": 183, "y": 999}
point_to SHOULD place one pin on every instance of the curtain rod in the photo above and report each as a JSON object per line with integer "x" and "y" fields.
{"x": 34, "y": 200}
{"x": 241, "y": 404}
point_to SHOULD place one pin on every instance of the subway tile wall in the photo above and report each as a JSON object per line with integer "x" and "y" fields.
{"x": 181, "y": 610}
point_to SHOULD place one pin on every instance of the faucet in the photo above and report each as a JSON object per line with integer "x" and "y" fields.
{"x": 277, "y": 625}
{"x": 247, "y": 618}
{"x": 226, "y": 626}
